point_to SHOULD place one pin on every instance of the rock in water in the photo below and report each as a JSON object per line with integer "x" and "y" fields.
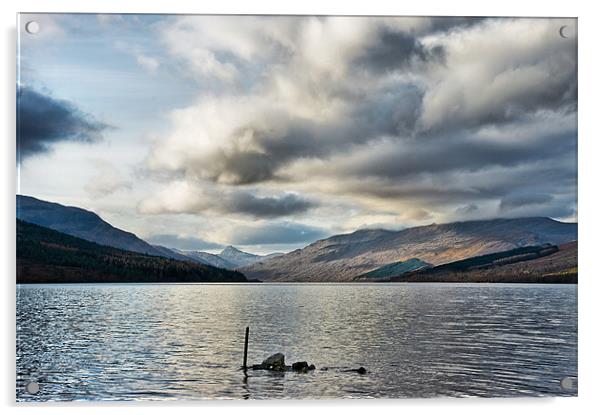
{"x": 274, "y": 362}
{"x": 300, "y": 367}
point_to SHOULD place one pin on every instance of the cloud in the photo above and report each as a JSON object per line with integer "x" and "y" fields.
{"x": 557, "y": 205}
{"x": 424, "y": 118}
{"x": 188, "y": 243}
{"x": 276, "y": 233}
{"x": 394, "y": 158}
{"x": 184, "y": 197}
{"x": 43, "y": 121}
{"x": 394, "y": 50}
{"x": 147, "y": 62}
{"x": 247, "y": 139}
{"x": 108, "y": 180}
{"x": 500, "y": 70}
{"x": 269, "y": 206}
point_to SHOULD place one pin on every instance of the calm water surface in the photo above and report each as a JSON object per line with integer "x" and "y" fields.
{"x": 158, "y": 342}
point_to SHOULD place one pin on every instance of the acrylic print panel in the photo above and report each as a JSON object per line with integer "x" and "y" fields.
{"x": 388, "y": 204}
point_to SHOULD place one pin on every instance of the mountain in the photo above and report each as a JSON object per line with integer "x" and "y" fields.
{"x": 229, "y": 258}
{"x": 207, "y": 258}
{"x": 47, "y": 256}
{"x": 239, "y": 258}
{"x": 343, "y": 257}
{"x": 534, "y": 264}
{"x": 81, "y": 223}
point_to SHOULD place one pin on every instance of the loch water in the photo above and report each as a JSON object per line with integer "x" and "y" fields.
{"x": 185, "y": 341}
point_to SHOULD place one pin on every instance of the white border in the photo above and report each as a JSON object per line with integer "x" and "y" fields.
{"x": 590, "y": 246}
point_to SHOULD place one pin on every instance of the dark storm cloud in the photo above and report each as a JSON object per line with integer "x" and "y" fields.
{"x": 198, "y": 199}
{"x": 43, "y": 120}
{"x": 268, "y": 207}
{"x": 405, "y": 159}
{"x": 270, "y": 150}
{"x": 391, "y": 112}
{"x": 277, "y": 233}
{"x": 184, "y": 243}
{"x": 394, "y": 51}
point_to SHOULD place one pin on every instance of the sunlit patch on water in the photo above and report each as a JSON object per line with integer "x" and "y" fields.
{"x": 160, "y": 342}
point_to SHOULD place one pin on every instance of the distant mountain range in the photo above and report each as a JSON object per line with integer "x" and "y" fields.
{"x": 229, "y": 258}
{"x": 48, "y": 256}
{"x": 344, "y": 257}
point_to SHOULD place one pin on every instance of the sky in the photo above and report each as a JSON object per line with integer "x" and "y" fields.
{"x": 270, "y": 132}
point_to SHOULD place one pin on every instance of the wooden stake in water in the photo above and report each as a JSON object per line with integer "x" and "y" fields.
{"x": 244, "y": 359}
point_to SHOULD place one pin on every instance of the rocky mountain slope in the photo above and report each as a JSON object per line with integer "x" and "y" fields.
{"x": 343, "y": 257}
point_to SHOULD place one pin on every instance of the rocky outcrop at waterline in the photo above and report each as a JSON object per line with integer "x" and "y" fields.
{"x": 276, "y": 363}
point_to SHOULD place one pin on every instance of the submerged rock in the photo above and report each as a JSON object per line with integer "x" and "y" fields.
{"x": 300, "y": 367}
{"x": 274, "y": 362}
